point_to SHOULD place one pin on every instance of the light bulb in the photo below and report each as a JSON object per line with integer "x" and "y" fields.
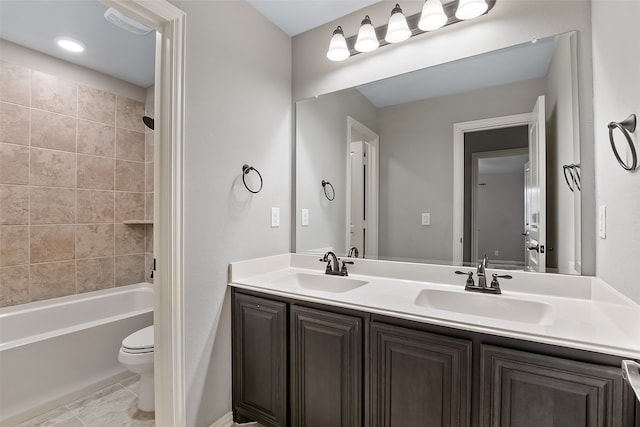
{"x": 338, "y": 50}
{"x": 367, "y": 40}
{"x": 433, "y": 16}
{"x": 469, "y": 9}
{"x": 398, "y": 29}
{"x": 70, "y": 44}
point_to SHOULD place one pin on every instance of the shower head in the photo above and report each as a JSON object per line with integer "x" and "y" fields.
{"x": 148, "y": 121}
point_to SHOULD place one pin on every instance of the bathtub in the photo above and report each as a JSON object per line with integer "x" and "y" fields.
{"x": 55, "y": 351}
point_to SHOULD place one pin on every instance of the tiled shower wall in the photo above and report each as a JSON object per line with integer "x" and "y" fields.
{"x": 73, "y": 162}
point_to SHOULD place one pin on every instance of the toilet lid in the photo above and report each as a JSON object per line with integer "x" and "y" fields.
{"x": 140, "y": 341}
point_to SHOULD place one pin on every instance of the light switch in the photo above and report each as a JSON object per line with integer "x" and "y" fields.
{"x": 426, "y": 218}
{"x": 305, "y": 217}
{"x": 602, "y": 222}
{"x": 275, "y": 217}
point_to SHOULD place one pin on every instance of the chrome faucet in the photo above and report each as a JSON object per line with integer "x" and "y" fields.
{"x": 333, "y": 265}
{"x": 493, "y": 288}
{"x": 480, "y": 272}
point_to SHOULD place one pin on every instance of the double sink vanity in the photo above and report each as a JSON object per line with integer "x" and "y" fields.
{"x": 402, "y": 344}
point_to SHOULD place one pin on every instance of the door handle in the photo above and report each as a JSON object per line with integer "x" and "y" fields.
{"x": 631, "y": 374}
{"x": 534, "y": 248}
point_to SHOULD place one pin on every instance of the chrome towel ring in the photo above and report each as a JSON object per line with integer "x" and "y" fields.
{"x": 333, "y": 191}
{"x": 574, "y": 172}
{"x": 245, "y": 171}
{"x": 625, "y": 126}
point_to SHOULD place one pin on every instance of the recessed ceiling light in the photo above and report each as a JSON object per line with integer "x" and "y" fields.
{"x": 70, "y": 44}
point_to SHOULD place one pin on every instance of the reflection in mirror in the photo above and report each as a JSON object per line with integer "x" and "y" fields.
{"x": 447, "y": 164}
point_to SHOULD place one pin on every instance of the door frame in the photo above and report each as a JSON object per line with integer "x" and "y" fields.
{"x": 459, "y": 129}
{"x": 170, "y": 24}
{"x": 373, "y": 190}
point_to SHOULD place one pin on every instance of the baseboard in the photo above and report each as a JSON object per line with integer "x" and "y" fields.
{"x": 225, "y": 421}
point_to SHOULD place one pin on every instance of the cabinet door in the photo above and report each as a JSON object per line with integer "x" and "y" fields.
{"x": 522, "y": 389}
{"x": 259, "y": 360}
{"x": 418, "y": 378}
{"x": 326, "y": 369}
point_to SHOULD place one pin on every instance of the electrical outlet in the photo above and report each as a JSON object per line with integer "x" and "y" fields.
{"x": 602, "y": 222}
{"x": 426, "y": 218}
{"x": 496, "y": 253}
{"x": 305, "y": 217}
{"x": 275, "y": 217}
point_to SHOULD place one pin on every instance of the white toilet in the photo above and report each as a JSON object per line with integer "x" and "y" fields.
{"x": 136, "y": 354}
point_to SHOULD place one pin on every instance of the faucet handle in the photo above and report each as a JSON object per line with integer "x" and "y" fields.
{"x": 494, "y": 283}
{"x": 469, "y": 274}
{"x": 344, "y": 267}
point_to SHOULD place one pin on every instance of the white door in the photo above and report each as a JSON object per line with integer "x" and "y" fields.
{"x": 535, "y": 190}
{"x": 357, "y": 223}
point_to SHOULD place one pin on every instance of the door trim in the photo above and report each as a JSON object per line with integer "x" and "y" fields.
{"x": 459, "y": 129}
{"x": 170, "y": 22}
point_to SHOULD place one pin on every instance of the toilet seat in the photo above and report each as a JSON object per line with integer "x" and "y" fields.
{"x": 139, "y": 342}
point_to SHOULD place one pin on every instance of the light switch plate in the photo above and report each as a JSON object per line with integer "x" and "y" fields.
{"x": 275, "y": 217}
{"x": 305, "y": 217}
{"x": 426, "y": 218}
{"x": 602, "y": 222}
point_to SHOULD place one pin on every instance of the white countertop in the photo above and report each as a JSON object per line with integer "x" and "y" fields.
{"x": 581, "y": 312}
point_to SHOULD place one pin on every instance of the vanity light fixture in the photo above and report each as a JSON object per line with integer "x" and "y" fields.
{"x": 70, "y": 44}
{"x": 434, "y": 15}
{"x": 398, "y": 29}
{"x": 367, "y": 40}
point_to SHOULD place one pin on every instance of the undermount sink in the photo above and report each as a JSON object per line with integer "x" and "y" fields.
{"x": 320, "y": 282}
{"x": 485, "y": 305}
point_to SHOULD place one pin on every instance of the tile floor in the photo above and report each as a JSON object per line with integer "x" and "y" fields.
{"x": 115, "y": 405}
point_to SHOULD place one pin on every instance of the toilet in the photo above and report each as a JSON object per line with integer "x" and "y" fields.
{"x": 136, "y": 354}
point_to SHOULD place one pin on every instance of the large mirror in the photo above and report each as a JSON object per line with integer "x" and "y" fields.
{"x": 447, "y": 164}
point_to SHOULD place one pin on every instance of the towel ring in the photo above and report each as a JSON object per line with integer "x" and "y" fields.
{"x": 625, "y": 126}
{"x": 574, "y": 171}
{"x": 333, "y": 190}
{"x": 245, "y": 171}
{"x": 565, "y": 168}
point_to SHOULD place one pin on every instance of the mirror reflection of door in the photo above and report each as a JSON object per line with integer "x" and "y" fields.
{"x": 358, "y": 220}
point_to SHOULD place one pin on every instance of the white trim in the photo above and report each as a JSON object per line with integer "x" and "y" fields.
{"x": 170, "y": 22}
{"x": 459, "y": 129}
{"x": 372, "y": 222}
{"x": 225, "y": 421}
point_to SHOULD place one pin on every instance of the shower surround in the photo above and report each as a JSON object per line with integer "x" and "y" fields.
{"x": 74, "y": 167}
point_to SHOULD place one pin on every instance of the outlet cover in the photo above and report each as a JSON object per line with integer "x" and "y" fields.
{"x": 602, "y": 222}
{"x": 275, "y": 217}
{"x": 305, "y": 217}
{"x": 426, "y": 218}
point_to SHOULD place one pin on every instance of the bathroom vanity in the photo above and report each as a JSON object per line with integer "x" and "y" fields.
{"x": 397, "y": 344}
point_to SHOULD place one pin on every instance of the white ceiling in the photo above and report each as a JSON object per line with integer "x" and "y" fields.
{"x": 297, "y": 16}
{"x": 111, "y": 50}
{"x": 513, "y": 64}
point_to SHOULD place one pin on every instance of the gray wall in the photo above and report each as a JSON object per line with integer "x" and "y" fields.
{"x": 322, "y": 153}
{"x": 237, "y": 110}
{"x": 416, "y": 158}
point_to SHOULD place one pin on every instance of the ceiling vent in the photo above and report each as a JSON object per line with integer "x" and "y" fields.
{"x": 126, "y": 23}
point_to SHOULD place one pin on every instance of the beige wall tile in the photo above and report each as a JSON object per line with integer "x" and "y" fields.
{"x": 14, "y": 204}
{"x": 15, "y": 83}
{"x": 129, "y": 269}
{"x": 52, "y": 93}
{"x": 148, "y": 241}
{"x": 129, "y": 239}
{"x": 95, "y": 172}
{"x": 94, "y": 240}
{"x": 14, "y": 124}
{"x": 52, "y": 168}
{"x": 95, "y": 206}
{"x": 129, "y": 176}
{"x": 95, "y": 274}
{"x": 14, "y": 245}
{"x": 51, "y": 280}
{"x": 52, "y": 243}
{"x": 130, "y": 145}
{"x": 14, "y": 164}
{"x": 148, "y": 177}
{"x": 149, "y": 145}
{"x": 51, "y": 130}
{"x": 129, "y": 206}
{"x": 96, "y": 138}
{"x": 14, "y": 285}
{"x": 97, "y": 105}
{"x": 148, "y": 206}
{"x": 148, "y": 267}
{"x": 52, "y": 205}
{"x": 129, "y": 114}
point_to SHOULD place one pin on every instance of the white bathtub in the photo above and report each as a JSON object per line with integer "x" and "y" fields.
{"x": 54, "y": 351}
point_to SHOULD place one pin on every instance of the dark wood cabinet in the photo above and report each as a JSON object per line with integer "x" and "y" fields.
{"x": 521, "y": 389}
{"x": 419, "y": 378}
{"x": 259, "y": 360}
{"x": 326, "y": 368}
